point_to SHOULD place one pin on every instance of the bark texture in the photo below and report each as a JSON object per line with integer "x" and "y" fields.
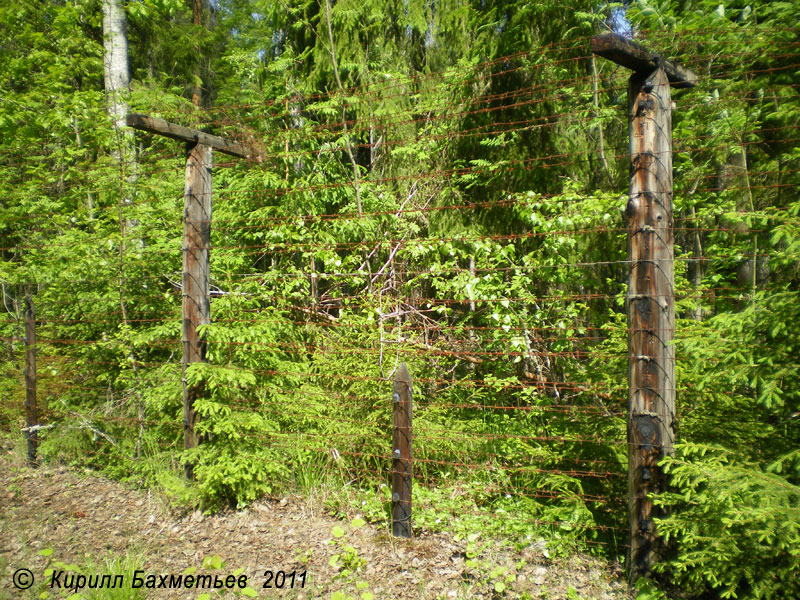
{"x": 115, "y": 61}
{"x": 651, "y": 312}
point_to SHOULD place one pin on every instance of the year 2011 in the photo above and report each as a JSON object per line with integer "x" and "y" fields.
{"x": 281, "y": 579}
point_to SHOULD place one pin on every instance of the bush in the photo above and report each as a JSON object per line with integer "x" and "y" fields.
{"x": 737, "y": 525}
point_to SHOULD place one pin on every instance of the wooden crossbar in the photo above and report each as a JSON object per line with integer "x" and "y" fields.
{"x": 184, "y": 134}
{"x": 641, "y": 60}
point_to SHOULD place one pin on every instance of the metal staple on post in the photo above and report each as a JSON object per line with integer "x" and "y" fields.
{"x": 401, "y": 453}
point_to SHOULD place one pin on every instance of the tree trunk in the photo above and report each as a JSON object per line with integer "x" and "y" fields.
{"x": 115, "y": 62}
{"x": 116, "y": 72}
{"x": 197, "y": 84}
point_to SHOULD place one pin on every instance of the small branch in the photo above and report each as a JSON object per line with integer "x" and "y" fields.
{"x": 411, "y": 193}
{"x": 84, "y": 424}
{"x": 5, "y": 304}
{"x": 459, "y": 355}
{"x": 316, "y": 313}
{"x": 35, "y": 428}
{"x": 389, "y": 260}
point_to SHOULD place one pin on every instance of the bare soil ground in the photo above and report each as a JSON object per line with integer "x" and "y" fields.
{"x": 88, "y": 520}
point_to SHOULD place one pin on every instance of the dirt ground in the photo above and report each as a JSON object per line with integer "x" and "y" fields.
{"x": 87, "y": 520}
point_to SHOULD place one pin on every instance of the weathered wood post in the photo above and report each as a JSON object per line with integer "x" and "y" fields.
{"x": 31, "y": 410}
{"x": 195, "y": 279}
{"x": 651, "y": 310}
{"x": 651, "y": 288}
{"x": 401, "y": 453}
{"x": 196, "y": 249}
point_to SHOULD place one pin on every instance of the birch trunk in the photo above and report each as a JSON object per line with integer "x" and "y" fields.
{"x": 115, "y": 62}
{"x": 116, "y": 73}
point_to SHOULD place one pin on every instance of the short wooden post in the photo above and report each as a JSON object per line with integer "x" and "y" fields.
{"x": 651, "y": 288}
{"x": 401, "y": 453}
{"x": 196, "y": 300}
{"x": 31, "y": 410}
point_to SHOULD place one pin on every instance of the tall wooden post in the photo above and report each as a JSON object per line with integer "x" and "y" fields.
{"x": 651, "y": 312}
{"x": 401, "y": 453}
{"x": 196, "y": 248}
{"x": 31, "y": 410}
{"x": 196, "y": 300}
{"x": 651, "y": 289}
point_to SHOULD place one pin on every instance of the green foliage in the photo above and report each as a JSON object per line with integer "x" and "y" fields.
{"x": 348, "y": 562}
{"x": 215, "y": 563}
{"x": 734, "y": 521}
{"x": 483, "y": 243}
{"x": 646, "y": 589}
{"x": 497, "y": 578}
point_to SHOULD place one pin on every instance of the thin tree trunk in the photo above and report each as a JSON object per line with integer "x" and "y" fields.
{"x": 348, "y": 147}
{"x": 697, "y": 275}
{"x": 117, "y": 85}
{"x": 79, "y": 142}
{"x": 751, "y": 206}
{"x": 197, "y": 85}
{"x": 286, "y": 143}
{"x": 116, "y": 72}
{"x": 600, "y": 140}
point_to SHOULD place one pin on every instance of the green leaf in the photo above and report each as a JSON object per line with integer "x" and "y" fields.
{"x": 213, "y": 562}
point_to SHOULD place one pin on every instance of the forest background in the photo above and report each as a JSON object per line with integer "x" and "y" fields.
{"x": 437, "y": 183}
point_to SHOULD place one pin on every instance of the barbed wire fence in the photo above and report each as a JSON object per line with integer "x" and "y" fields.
{"x": 504, "y": 299}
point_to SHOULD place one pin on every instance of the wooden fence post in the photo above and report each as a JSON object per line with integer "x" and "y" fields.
{"x": 401, "y": 453}
{"x": 651, "y": 312}
{"x": 651, "y": 288}
{"x": 196, "y": 247}
{"x": 31, "y": 410}
{"x": 196, "y": 301}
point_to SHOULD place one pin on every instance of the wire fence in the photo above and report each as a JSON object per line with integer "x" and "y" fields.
{"x": 467, "y": 247}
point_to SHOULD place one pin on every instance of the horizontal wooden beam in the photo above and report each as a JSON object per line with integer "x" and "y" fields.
{"x": 638, "y": 58}
{"x": 184, "y": 134}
